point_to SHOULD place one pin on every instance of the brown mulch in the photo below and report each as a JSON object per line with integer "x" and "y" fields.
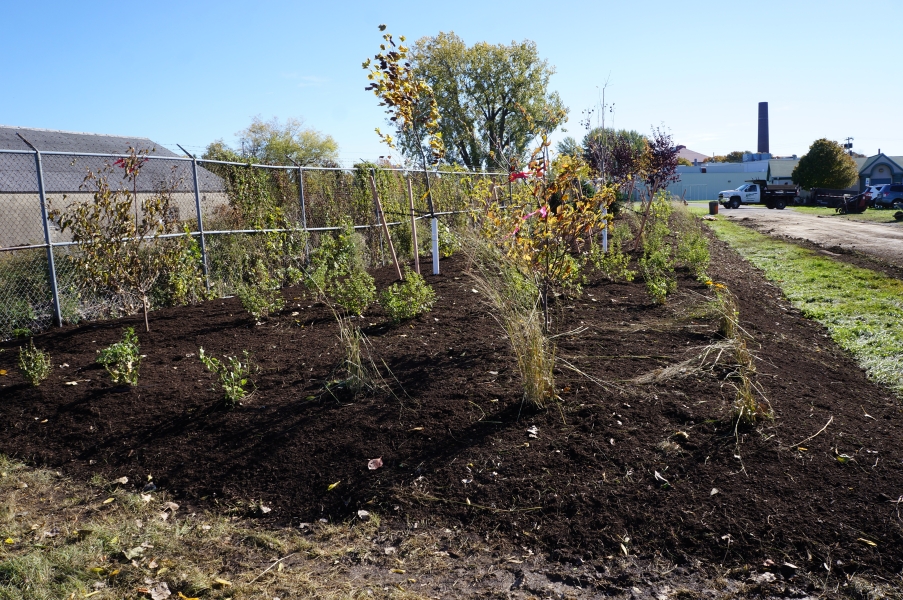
{"x": 453, "y": 435}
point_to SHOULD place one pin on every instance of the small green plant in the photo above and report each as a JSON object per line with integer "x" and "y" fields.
{"x": 355, "y": 292}
{"x": 614, "y": 264}
{"x": 337, "y": 271}
{"x": 122, "y": 360}
{"x": 692, "y": 245}
{"x": 34, "y": 364}
{"x": 22, "y": 332}
{"x": 234, "y": 375}
{"x": 261, "y": 300}
{"x": 657, "y": 262}
{"x": 409, "y": 298}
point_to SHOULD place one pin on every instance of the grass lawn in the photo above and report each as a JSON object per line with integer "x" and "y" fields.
{"x": 862, "y": 309}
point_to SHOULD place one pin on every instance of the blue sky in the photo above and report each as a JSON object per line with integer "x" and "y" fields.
{"x": 192, "y": 72}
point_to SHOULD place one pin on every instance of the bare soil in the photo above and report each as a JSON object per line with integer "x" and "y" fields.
{"x": 652, "y": 471}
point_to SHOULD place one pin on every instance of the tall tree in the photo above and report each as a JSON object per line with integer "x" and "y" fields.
{"x": 603, "y": 148}
{"x": 276, "y": 143}
{"x": 492, "y": 98}
{"x": 735, "y": 156}
{"x": 826, "y": 165}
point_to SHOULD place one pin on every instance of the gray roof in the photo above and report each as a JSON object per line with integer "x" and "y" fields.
{"x": 66, "y": 173}
{"x": 894, "y": 160}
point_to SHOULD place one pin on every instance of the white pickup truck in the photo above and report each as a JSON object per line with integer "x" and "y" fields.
{"x": 759, "y": 192}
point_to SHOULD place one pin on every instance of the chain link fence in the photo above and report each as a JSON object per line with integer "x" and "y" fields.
{"x": 234, "y": 223}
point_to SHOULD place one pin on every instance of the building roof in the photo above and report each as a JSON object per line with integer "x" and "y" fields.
{"x": 897, "y": 161}
{"x": 691, "y": 155}
{"x": 66, "y": 173}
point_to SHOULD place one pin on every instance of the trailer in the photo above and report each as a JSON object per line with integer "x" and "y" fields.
{"x": 759, "y": 191}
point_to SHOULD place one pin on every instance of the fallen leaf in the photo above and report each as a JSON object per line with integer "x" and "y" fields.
{"x": 533, "y": 431}
{"x": 223, "y": 583}
{"x": 362, "y": 514}
{"x": 375, "y": 464}
{"x": 71, "y": 383}
{"x": 333, "y": 486}
{"x": 159, "y": 591}
{"x": 108, "y": 500}
{"x": 122, "y": 480}
{"x": 9, "y": 541}
{"x": 869, "y": 542}
{"x": 714, "y": 491}
{"x": 3, "y": 372}
{"x": 171, "y": 506}
{"x": 184, "y": 597}
{"x": 399, "y": 571}
{"x": 659, "y": 477}
{"x": 134, "y": 552}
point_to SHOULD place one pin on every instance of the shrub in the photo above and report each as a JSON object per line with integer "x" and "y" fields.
{"x": 261, "y": 299}
{"x": 692, "y": 245}
{"x": 355, "y": 292}
{"x": 614, "y": 263}
{"x": 337, "y": 271}
{"x": 234, "y": 375}
{"x": 34, "y": 364}
{"x": 657, "y": 263}
{"x": 122, "y": 360}
{"x": 408, "y": 298}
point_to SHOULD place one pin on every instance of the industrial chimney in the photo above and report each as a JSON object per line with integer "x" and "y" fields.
{"x": 763, "y": 127}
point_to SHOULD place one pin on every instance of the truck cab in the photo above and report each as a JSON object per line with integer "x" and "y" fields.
{"x": 748, "y": 193}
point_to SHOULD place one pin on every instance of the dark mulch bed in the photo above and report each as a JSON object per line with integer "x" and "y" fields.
{"x": 453, "y": 436}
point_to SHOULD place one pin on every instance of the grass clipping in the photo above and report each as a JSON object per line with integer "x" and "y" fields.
{"x": 514, "y": 300}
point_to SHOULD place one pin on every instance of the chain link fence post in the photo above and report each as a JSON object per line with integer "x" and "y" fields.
{"x": 197, "y": 205}
{"x": 51, "y": 266}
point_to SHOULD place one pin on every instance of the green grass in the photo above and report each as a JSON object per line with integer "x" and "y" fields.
{"x": 862, "y": 309}
{"x": 870, "y": 215}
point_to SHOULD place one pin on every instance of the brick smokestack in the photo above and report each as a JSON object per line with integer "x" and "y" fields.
{"x": 763, "y": 127}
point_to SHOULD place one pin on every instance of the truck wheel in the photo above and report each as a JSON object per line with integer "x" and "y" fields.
{"x": 780, "y": 204}
{"x": 735, "y": 203}
{"x": 769, "y": 204}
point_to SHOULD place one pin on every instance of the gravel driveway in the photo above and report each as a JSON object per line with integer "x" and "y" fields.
{"x": 882, "y": 240}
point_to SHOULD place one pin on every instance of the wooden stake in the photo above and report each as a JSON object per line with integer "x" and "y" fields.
{"x": 414, "y": 229}
{"x": 382, "y": 219}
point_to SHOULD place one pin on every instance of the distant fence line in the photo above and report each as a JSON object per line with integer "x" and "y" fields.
{"x": 244, "y": 218}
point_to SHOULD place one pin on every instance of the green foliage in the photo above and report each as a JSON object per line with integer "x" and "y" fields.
{"x": 234, "y": 375}
{"x": 34, "y": 364}
{"x": 185, "y": 279}
{"x": 276, "y": 143}
{"x": 826, "y": 165}
{"x": 614, "y": 264}
{"x": 117, "y": 233}
{"x": 262, "y": 298}
{"x": 692, "y": 244}
{"x": 122, "y": 360}
{"x": 448, "y": 241}
{"x": 354, "y": 292}
{"x": 683, "y": 162}
{"x": 337, "y": 271}
{"x": 490, "y": 97}
{"x": 409, "y": 298}
{"x": 657, "y": 263}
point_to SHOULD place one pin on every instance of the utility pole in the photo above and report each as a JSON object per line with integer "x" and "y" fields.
{"x": 849, "y": 146}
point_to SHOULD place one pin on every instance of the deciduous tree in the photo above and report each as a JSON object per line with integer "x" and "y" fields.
{"x": 277, "y": 143}
{"x": 826, "y": 165}
{"x": 487, "y": 95}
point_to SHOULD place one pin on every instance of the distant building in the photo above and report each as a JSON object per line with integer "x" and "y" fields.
{"x": 703, "y": 182}
{"x": 64, "y": 176}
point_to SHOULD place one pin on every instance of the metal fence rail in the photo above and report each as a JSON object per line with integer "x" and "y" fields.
{"x": 238, "y": 218}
